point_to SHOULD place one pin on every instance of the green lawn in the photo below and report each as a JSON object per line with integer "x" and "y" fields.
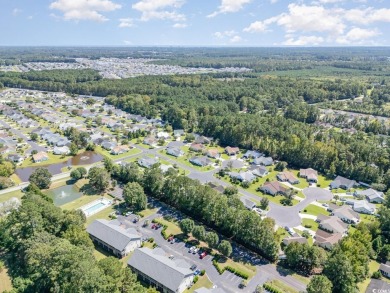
{"x": 323, "y": 181}
{"x": 103, "y": 152}
{"x": 314, "y": 210}
{"x": 302, "y": 181}
{"x": 148, "y": 212}
{"x": 15, "y": 179}
{"x": 173, "y": 228}
{"x": 282, "y": 287}
{"x": 310, "y": 222}
{"x": 53, "y": 159}
{"x": 203, "y": 281}
{"x": 238, "y": 265}
{"x": 6, "y": 196}
{"x": 368, "y": 218}
{"x": 73, "y": 205}
{"x": 104, "y": 214}
{"x": 373, "y": 267}
{"x": 185, "y": 161}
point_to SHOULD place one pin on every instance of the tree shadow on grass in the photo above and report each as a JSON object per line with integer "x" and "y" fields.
{"x": 87, "y": 189}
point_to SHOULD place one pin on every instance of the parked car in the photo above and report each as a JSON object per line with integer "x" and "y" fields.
{"x": 203, "y": 255}
{"x": 195, "y": 251}
{"x": 197, "y": 272}
{"x": 325, "y": 205}
{"x": 171, "y": 256}
{"x": 170, "y": 238}
{"x": 153, "y": 226}
{"x": 173, "y": 240}
{"x": 193, "y": 267}
{"x": 191, "y": 249}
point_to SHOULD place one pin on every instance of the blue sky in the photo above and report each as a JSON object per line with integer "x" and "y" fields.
{"x": 195, "y": 22}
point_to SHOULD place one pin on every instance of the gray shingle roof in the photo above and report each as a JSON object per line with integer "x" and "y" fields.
{"x": 112, "y": 234}
{"x": 155, "y": 264}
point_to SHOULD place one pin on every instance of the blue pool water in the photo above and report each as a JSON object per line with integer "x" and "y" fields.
{"x": 94, "y": 208}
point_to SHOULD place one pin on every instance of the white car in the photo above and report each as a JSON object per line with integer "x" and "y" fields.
{"x": 191, "y": 249}
{"x": 195, "y": 251}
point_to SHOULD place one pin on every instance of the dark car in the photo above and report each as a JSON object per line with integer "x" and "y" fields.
{"x": 193, "y": 267}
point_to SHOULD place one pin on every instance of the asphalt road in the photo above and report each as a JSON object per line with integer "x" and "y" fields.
{"x": 33, "y": 145}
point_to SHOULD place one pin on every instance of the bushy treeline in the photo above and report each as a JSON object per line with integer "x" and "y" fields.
{"x": 226, "y": 214}
{"x": 48, "y": 250}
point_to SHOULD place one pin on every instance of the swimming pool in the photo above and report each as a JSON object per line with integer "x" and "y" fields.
{"x": 95, "y": 206}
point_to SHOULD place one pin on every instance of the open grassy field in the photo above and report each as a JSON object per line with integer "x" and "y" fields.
{"x": 238, "y": 265}
{"x": 173, "y": 228}
{"x": 314, "y": 210}
{"x": 282, "y": 287}
{"x": 6, "y": 196}
{"x": 5, "y": 281}
{"x": 103, "y": 152}
{"x": 203, "y": 281}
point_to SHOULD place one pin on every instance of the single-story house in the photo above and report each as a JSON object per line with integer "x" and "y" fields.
{"x": 121, "y": 149}
{"x": 197, "y": 147}
{"x": 61, "y": 150}
{"x": 16, "y": 158}
{"x": 174, "y": 151}
{"x": 216, "y": 187}
{"x": 213, "y": 153}
{"x": 299, "y": 239}
{"x": 252, "y": 155}
{"x": 231, "y": 151}
{"x": 332, "y": 224}
{"x": 153, "y": 266}
{"x": 108, "y": 145}
{"x": 113, "y": 237}
{"x": 163, "y": 134}
{"x": 151, "y": 141}
{"x": 385, "y": 269}
{"x": 265, "y": 161}
{"x": 326, "y": 240}
{"x": 250, "y": 205}
{"x": 274, "y": 188}
{"x": 40, "y": 157}
{"x": 178, "y": 133}
{"x": 341, "y": 182}
{"x": 287, "y": 176}
{"x": 201, "y": 161}
{"x": 363, "y": 207}
{"x": 259, "y": 171}
{"x": 202, "y": 139}
{"x": 372, "y": 195}
{"x": 147, "y": 162}
{"x": 310, "y": 174}
{"x": 345, "y": 213}
{"x": 243, "y": 176}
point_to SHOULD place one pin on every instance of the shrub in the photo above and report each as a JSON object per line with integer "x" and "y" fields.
{"x": 308, "y": 226}
{"x": 376, "y": 275}
{"x": 196, "y": 278}
{"x": 202, "y": 272}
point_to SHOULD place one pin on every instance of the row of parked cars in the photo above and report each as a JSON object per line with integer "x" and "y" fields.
{"x": 195, "y": 250}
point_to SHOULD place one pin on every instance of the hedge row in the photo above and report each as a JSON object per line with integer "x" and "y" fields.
{"x": 238, "y": 273}
{"x": 164, "y": 228}
{"x": 271, "y": 289}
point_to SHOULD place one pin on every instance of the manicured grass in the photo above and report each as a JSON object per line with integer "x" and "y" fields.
{"x": 104, "y": 214}
{"x": 103, "y": 152}
{"x": 73, "y": 205}
{"x": 310, "y": 222}
{"x": 240, "y": 266}
{"x": 99, "y": 253}
{"x": 281, "y": 233}
{"x": 373, "y": 267}
{"x": 185, "y": 160}
{"x": 323, "y": 181}
{"x": 282, "y": 287}
{"x": 15, "y": 178}
{"x": 368, "y": 218}
{"x": 53, "y": 159}
{"x": 314, "y": 210}
{"x": 302, "y": 181}
{"x": 6, "y": 196}
{"x": 285, "y": 271}
{"x": 148, "y": 212}
{"x": 173, "y": 228}
{"x": 203, "y": 281}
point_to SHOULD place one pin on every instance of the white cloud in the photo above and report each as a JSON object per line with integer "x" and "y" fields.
{"x": 303, "y": 41}
{"x": 127, "y": 42}
{"x": 229, "y": 6}
{"x": 126, "y": 22}
{"x": 358, "y": 36}
{"x": 256, "y": 27}
{"x": 235, "y": 39}
{"x": 84, "y": 9}
{"x": 225, "y": 34}
{"x": 368, "y": 15}
{"x": 179, "y": 25}
{"x": 160, "y": 9}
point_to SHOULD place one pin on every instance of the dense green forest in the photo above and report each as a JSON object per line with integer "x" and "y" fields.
{"x": 48, "y": 250}
{"x": 271, "y": 114}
